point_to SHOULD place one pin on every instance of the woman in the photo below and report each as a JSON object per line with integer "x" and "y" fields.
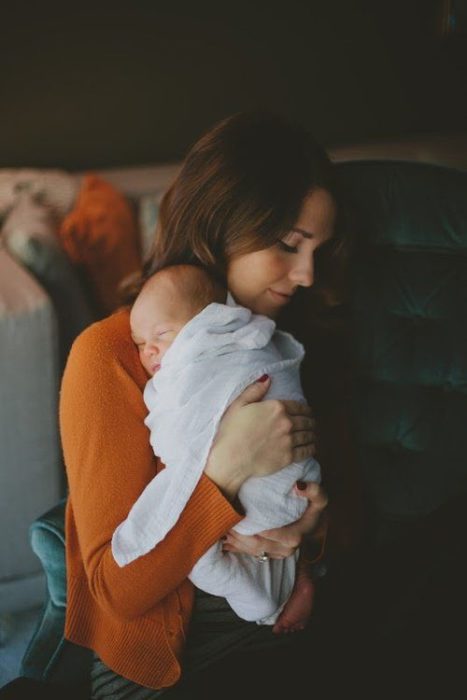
{"x": 254, "y": 203}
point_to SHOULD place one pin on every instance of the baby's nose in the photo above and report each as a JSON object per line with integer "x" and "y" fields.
{"x": 150, "y": 350}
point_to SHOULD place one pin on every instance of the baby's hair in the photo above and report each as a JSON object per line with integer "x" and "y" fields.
{"x": 198, "y": 287}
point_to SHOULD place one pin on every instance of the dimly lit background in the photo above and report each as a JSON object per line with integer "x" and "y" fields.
{"x": 112, "y": 83}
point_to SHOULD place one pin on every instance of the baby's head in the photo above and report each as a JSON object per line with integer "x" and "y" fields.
{"x": 168, "y": 300}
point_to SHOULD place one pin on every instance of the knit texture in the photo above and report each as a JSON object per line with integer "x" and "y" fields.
{"x": 135, "y": 618}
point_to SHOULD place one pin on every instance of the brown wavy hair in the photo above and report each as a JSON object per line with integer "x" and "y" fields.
{"x": 240, "y": 189}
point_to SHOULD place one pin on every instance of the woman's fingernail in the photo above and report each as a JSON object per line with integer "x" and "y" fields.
{"x": 301, "y": 485}
{"x": 264, "y": 378}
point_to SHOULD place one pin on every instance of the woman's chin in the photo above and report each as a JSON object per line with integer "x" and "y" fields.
{"x": 271, "y": 311}
{"x": 264, "y": 306}
{"x": 265, "y": 310}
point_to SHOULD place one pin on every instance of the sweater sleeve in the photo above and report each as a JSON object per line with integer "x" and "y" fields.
{"x": 109, "y": 462}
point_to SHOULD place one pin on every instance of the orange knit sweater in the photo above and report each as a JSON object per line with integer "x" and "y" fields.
{"x": 135, "y": 618}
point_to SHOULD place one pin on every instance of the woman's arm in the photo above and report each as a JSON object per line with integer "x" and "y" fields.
{"x": 109, "y": 461}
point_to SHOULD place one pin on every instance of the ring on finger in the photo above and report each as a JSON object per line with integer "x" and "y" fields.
{"x": 264, "y": 556}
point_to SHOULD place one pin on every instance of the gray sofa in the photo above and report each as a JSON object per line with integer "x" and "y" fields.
{"x": 43, "y": 306}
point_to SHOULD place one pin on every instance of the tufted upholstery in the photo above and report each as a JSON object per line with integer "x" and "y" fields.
{"x": 409, "y": 310}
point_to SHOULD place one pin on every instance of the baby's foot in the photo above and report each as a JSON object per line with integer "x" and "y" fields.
{"x": 297, "y": 611}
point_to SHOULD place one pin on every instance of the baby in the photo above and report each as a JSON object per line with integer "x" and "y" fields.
{"x": 200, "y": 353}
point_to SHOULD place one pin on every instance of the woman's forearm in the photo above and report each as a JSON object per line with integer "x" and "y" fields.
{"x": 136, "y": 589}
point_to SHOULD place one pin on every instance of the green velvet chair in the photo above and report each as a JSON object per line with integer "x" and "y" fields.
{"x": 409, "y": 373}
{"x": 49, "y": 656}
{"x": 409, "y": 313}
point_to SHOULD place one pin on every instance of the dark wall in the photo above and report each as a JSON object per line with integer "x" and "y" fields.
{"x": 114, "y": 84}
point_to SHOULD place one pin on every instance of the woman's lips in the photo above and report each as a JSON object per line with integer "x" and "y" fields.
{"x": 284, "y": 298}
{"x": 155, "y": 369}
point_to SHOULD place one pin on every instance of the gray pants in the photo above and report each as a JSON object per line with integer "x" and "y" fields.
{"x": 215, "y": 632}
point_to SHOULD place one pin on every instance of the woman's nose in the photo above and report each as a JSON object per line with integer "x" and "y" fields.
{"x": 302, "y": 273}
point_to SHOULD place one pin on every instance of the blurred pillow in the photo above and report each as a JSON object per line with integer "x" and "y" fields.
{"x": 100, "y": 235}
{"x": 55, "y": 188}
{"x": 29, "y": 218}
{"x": 49, "y": 264}
{"x": 148, "y": 212}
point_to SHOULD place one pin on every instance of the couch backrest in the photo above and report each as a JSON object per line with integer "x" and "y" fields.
{"x": 30, "y": 475}
{"x": 409, "y": 312}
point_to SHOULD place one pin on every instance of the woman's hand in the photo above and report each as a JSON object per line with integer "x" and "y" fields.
{"x": 281, "y": 542}
{"x": 257, "y": 438}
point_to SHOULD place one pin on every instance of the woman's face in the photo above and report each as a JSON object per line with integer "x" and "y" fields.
{"x": 264, "y": 281}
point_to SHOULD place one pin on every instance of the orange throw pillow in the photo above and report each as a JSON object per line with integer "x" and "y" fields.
{"x": 100, "y": 235}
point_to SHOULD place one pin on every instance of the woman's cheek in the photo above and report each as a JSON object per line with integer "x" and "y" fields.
{"x": 278, "y": 266}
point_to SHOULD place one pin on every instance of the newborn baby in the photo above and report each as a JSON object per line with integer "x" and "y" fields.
{"x": 201, "y": 353}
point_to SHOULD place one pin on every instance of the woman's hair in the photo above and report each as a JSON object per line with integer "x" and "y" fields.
{"x": 240, "y": 189}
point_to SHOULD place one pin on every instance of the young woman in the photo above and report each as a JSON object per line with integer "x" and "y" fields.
{"x": 255, "y": 203}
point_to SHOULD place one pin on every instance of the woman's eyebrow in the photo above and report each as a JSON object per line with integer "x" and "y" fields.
{"x": 305, "y": 234}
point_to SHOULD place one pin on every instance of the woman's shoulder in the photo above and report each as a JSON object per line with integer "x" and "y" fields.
{"x": 111, "y": 332}
{"x": 113, "y": 329}
{"x": 106, "y": 345}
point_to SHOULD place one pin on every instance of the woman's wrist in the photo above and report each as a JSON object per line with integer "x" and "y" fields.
{"x": 227, "y": 480}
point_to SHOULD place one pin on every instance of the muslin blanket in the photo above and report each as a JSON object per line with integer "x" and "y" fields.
{"x": 216, "y": 355}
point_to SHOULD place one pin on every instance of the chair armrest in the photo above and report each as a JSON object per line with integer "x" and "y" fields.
{"x": 49, "y": 656}
{"x": 47, "y": 537}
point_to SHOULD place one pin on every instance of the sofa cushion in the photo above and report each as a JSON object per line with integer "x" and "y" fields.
{"x": 31, "y": 474}
{"x": 100, "y": 236}
{"x": 30, "y": 234}
{"x": 56, "y": 188}
{"x": 52, "y": 268}
{"x": 29, "y": 218}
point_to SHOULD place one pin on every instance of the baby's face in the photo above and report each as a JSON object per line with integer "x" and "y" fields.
{"x": 155, "y": 322}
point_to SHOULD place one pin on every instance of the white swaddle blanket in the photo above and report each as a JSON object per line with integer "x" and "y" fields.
{"x": 216, "y": 355}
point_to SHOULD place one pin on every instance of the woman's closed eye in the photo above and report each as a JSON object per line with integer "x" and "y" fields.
{"x": 289, "y": 243}
{"x": 287, "y": 248}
